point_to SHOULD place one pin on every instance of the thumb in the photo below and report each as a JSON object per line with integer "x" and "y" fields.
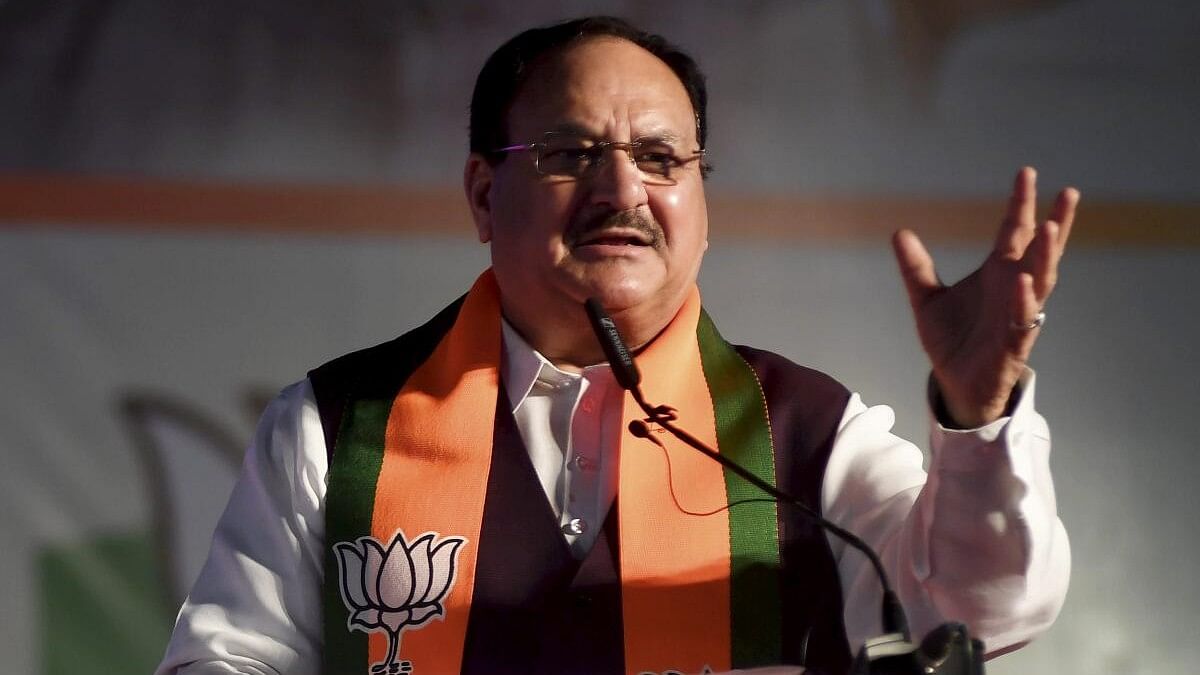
{"x": 916, "y": 266}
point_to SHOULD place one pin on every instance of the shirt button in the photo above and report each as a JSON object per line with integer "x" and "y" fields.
{"x": 575, "y": 526}
{"x": 588, "y": 406}
{"x": 582, "y": 463}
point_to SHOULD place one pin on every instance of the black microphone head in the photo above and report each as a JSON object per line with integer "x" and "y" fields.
{"x": 639, "y": 428}
{"x": 619, "y": 358}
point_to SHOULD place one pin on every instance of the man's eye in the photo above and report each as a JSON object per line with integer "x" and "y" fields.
{"x": 656, "y": 157}
{"x": 658, "y": 162}
{"x": 572, "y": 154}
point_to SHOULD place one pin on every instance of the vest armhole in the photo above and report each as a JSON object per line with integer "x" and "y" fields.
{"x": 331, "y": 394}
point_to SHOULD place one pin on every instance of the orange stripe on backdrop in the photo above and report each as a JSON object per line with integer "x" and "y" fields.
{"x": 145, "y": 203}
{"x": 107, "y": 202}
{"x": 675, "y": 566}
{"x": 437, "y": 457}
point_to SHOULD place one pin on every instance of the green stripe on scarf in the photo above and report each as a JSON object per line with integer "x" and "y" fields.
{"x": 348, "y": 510}
{"x": 744, "y": 435}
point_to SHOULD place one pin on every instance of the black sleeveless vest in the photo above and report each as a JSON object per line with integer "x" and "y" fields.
{"x": 535, "y": 608}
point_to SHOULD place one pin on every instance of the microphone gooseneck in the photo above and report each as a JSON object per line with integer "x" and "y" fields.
{"x": 626, "y": 373}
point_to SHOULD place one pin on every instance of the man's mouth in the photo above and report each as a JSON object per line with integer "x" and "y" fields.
{"x": 610, "y": 233}
{"x": 614, "y": 238}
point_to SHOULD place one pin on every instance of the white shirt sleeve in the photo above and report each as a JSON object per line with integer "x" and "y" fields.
{"x": 256, "y": 606}
{"x": 977, "y": 541}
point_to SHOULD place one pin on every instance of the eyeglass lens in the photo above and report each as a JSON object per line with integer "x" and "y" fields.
{"x": 570, "y": 156}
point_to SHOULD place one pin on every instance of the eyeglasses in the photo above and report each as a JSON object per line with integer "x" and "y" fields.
{"x": 570, "y": 156}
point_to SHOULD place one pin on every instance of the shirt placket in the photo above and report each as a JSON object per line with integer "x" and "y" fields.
{"x": 582, "y": 470}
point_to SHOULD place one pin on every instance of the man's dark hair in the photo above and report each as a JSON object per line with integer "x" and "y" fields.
{"x": 508, "y": 67}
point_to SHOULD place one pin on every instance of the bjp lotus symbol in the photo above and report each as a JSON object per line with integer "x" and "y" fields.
{"x": 396, "y": 589}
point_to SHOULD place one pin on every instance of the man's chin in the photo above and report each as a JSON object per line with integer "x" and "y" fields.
{"x": 644, "y": 302}
{"x": 617, "y": 290}
{"x": 620, "y": 299}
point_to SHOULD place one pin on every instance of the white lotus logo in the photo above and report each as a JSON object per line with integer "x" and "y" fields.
{"x": 396, "y": 589}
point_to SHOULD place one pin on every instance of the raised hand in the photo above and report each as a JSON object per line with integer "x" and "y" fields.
{"x": 978, "y": 333}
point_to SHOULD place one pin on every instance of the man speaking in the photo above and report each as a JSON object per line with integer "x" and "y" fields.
{"x": 471, "y": 497}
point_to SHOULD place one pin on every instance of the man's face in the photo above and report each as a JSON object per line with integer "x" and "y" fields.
{"x": 635, "y": 246}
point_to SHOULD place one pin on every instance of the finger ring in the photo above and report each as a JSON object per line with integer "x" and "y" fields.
{"x": 1037, "y": 322}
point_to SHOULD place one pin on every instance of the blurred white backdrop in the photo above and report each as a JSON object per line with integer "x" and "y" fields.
{"x": 133, "y": 359}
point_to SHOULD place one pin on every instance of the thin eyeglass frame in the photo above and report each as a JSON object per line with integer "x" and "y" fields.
{"x": 600, "y": 146}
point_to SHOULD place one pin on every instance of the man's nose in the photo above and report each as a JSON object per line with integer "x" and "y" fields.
{"x": 618, "y": 182}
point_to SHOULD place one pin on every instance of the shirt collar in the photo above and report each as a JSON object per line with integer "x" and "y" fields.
{"x": 524, "y": 366}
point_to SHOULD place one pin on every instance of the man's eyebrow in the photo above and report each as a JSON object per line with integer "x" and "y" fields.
{"x": 572, "y": 128}
{"x": 654, "y": 135}
{"x": 665, "y": 137}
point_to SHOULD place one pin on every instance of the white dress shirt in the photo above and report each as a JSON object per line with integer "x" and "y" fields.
{"x": 571, "y": 426}
{"x": 976, "y": 540}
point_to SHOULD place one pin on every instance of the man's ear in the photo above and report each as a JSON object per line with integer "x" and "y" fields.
{"x": 477, "y": 181}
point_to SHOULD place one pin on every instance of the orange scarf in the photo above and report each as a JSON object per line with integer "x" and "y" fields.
{"x": 409, "y": 583}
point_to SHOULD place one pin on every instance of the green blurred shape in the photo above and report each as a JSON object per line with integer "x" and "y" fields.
{"x": 104, "y": 606}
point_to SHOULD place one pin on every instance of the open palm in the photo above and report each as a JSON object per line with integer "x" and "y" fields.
{"x": 979, "y": 332}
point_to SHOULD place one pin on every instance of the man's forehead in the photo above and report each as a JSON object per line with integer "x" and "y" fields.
{"x": 583, "y": 87}
{"x": 652, "y": 129}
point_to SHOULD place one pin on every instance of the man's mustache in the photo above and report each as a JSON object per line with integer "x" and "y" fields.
{"x": 633, "y": 219}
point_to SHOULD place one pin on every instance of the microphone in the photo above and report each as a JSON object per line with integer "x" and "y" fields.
{"x": 619, "y": 358}
{"x": 626, "y": 373}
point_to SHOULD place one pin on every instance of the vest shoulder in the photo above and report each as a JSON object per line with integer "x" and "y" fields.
{"x": 358, "y": 361}
{"x": 375, "y": 372}
{"x": 397, "y": 356}
{"x": 775, "y": 371}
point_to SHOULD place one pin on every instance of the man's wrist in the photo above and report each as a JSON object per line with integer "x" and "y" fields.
{"x": 948, "y": 420}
